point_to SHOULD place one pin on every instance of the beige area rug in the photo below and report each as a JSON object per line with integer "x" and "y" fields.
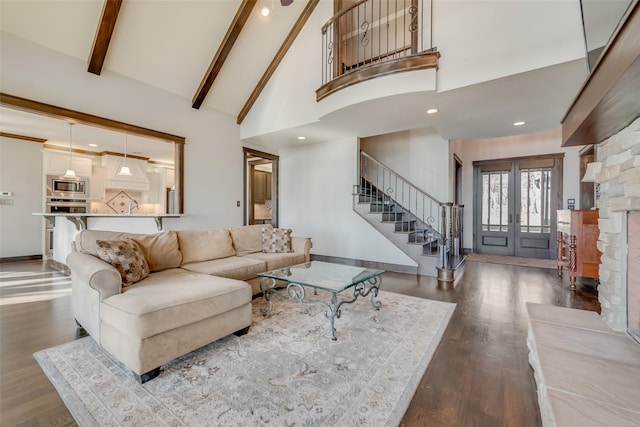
{"x": 285, "y": 371}
{"x": 513, "y": 260}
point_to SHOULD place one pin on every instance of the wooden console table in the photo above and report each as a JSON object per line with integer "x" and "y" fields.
{"x": 577, "y": 244}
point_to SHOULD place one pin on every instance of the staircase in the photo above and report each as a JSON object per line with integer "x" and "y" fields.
{"x": 428, "y": 231}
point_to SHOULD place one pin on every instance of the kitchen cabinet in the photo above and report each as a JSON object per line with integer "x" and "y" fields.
{"x": 156, "y": 192}
{"x": 97, "y": 183}
{"x": 170, "y": 179}
{"x": 261, "y": 186}
{"x": 578, "y": 253}
{"x": 57, "y": 163}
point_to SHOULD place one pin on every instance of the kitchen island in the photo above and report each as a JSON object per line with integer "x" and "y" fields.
{"x": 80, "y": 219}
{"x": 67, "y": 225}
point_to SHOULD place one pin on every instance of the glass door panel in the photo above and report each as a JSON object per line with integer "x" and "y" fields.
{"x": 534, "y": 214}
{"x": 494, "y": 198}
{"x": 515, "y": 207}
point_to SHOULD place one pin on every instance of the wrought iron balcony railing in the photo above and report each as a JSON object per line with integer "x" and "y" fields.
{"x": 369, "y": 33}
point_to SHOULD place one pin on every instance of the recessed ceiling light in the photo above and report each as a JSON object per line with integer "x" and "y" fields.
{"x": 265, "y": 11}
{"x": 432, "y": 110}
{"x": 93, "y": 145}
{"x": 302, "y": 137}
{"x": 519, "y": 123}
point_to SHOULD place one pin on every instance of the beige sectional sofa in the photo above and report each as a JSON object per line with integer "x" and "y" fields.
{"x": 196, "y": 291}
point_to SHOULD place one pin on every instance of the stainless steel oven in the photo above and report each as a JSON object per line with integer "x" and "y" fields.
{"x": 73, "y": 206}
{"x": 67, "y": 188}
{"x": 61, "y": 206}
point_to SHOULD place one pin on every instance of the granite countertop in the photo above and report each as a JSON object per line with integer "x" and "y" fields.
{"x": 80, "y": 219}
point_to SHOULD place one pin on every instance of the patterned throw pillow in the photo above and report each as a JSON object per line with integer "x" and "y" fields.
{"x": 276, "y": 240}
{"x": 126, "y": 256}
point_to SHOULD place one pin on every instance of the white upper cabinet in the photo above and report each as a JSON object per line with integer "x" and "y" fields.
{"x": 57, "y": 163}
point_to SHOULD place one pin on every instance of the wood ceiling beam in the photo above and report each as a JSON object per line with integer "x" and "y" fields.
{"x": 60, "y": 113}
{"x": 243, "y": 13}
{"x": 23, "y": 137}
{"x": 103, "y": 35}
{"x": 295, "y": 30}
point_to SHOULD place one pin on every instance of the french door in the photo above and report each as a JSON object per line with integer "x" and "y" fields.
{"x": 516, "y": 205}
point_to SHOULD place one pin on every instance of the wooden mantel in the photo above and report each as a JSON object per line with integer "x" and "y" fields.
{"x": 609, "y": 99}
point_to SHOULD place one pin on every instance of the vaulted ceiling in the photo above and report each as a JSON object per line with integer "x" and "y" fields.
{"x": 172, "y": 45}
{"x": 179, "y": 46}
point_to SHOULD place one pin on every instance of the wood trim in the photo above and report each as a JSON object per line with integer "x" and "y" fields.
{"x": 256, "y": 153}
{"x": 420, "y": 61}
{"x": 129, "y": 156}
{"x": 103, "y": 35}
{"x": 23, "y": 137}
{"x": 513, "y": 159}
{"x": 73, "y": 150}
{"x": 607, "y": 101}
{"x": 178, "y": 168}
{"x": 101, "y": 153}
{"x": 243, "y": 13}
{"x": 22, "y": 258}
{"x": 295, "y": 30}
{"x": 83, "y": 118}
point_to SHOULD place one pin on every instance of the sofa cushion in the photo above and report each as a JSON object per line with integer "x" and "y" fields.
{"x": 170, "y": 299}
{"x": 247, "y": 239}
{"x": 276, "y": 240}
{"x": 126, "y": 257}
{"x": 160, "y": 249}
{"x": 241, "y": 268}
{"x": 86, "y": 239}
{"x": 276, "y": 261}
{"x": 203, "y": 245}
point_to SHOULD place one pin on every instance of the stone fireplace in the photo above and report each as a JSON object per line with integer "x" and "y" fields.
{"x": 633, "y": 275}
{"x": 619, "y": 241}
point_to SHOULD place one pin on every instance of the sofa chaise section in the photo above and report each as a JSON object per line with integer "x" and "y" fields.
{"x": 196, "y": 291}
{"x": 186, "y": 311}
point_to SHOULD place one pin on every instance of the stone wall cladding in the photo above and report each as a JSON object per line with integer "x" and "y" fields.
{"x": 619, "y": 182}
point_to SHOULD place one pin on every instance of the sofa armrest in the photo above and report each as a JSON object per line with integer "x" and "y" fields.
{"x": 302, "y": 245}
{"x": 87, "y": 270}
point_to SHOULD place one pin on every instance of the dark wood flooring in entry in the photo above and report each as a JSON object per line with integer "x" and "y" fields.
{"x": 479, "y": 375}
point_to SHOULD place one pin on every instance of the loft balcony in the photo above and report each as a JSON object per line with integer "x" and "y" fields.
{"x": 373, "y": 38}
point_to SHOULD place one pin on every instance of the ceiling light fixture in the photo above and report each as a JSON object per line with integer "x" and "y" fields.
{"x": 265, "y": 11}
{"x": 519, "y": 123}
{"x": 70, "y": 172}
{"x": 93, "y": 145}
{"x": 302, "y": 138}
{"x": 124, "y": 170}
{"x": 432, "y": 110}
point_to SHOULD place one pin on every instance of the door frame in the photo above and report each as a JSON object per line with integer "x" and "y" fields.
{"x": 556, "y": 183}
{"x": 249, "y": 153}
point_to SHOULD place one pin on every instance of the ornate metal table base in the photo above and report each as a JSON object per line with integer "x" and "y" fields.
{"x": 297, "y": 292}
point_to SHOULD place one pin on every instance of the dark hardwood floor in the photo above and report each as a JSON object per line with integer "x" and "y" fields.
{"x": 479, "y": 375}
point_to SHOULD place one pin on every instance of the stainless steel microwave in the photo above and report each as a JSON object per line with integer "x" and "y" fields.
{"x": 67, "y": 188}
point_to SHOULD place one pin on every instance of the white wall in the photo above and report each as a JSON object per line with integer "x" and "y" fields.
{"x": 525, "y": 35}
{"x": 21, "y": 234}
{"x": 213, "y": 151}
{"x": 421, "y": 156}
{"x": 316, "y": 183}
{"x": 514, "y": 146}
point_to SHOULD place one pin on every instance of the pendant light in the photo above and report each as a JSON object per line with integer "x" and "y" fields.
{"x": 124, "y": 170}
{"x": 70, "y": 172}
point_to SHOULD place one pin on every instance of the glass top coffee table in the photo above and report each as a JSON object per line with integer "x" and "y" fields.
{"x": 323, "y": 276}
